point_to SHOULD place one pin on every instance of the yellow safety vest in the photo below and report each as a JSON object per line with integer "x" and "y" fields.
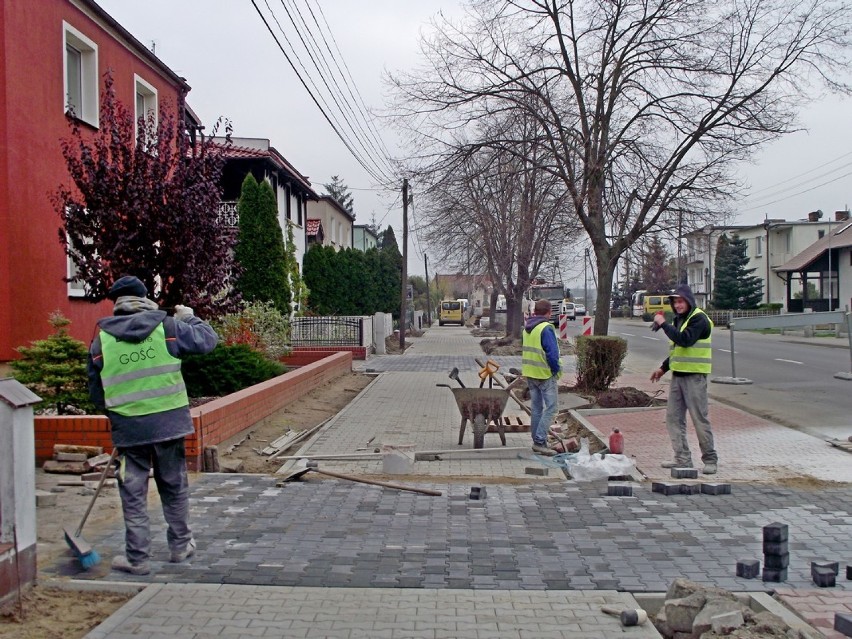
{"x": 141, "y": 378}
{"x": 534, "y": 361}
{"x": 697, "y": 358}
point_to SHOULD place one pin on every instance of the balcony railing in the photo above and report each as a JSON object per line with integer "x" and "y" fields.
{"x": 227, "y": 215}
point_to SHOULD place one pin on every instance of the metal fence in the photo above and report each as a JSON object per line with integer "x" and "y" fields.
{"x": 327, "y": 331}
{"x": 723, "y": 317}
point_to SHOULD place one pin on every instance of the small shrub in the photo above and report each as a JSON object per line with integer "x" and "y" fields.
{"x": 259, "y": 325}
{"x": 55, "y": 369}
{"x": 227, "y": 369}
{"x": 599, "y": 359}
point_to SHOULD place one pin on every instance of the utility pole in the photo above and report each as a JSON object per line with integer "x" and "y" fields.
{"x": 428, "y": 296}
{"x": 586, "y": 279}
{"x": 404, "y": 296}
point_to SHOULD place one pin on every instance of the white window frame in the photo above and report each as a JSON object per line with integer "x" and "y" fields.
{"x": 150, "y": 101}
{"x": 758, "y": 246}
{"x": 89, "y": 110}
{"x": 76, "y": 288}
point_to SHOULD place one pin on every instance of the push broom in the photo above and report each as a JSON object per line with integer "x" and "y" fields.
{"x": 82, "y": 549}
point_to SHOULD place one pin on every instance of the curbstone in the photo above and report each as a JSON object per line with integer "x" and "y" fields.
{"x": 537, "y": 470}
{"x": 823, "y": 577}
{"x": 834, "y": 566}
{"x": 748, "y": 568}
{"x": 478, "y": 493}
{"x": 715, "y": 489}
{"x": 619, "y": 490}
{"x": 775, "y": 575}
{"x": 776, "y": 547}
{"x": 776, "y": 562}
{"x": 684, "y": 473}
{"x": 775, "y": 531}
{"x": 843, "y": 623}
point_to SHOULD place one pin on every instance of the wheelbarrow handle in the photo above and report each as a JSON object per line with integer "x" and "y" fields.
{"x": 444, "y": 385}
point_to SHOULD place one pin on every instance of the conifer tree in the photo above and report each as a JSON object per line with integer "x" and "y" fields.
{"x": 260, "y": 250}
{"x": 656, "y": 270}
{"x": 735, "y": 287}
{"x": 339, "y": 191}
{"x": 55, "y": 368}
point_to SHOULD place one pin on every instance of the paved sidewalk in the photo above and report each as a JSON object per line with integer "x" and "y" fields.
{"x": 330, "y": 558}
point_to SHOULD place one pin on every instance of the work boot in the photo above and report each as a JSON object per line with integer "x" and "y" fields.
{"x": 179, "y": 556}
{"x": 541, "y": 449}
{"x": 675, "y": 464}
{"x": 709, "y": 469}
{"x": 120, "y": 562}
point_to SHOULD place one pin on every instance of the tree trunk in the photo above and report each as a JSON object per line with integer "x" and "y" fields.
{"x": 606, "y": 267}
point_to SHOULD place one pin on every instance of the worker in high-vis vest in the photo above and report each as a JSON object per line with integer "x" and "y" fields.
{"x": 542, "y": 369}
{"x": 134, "y": 376}
{"x": 690, "y": 361}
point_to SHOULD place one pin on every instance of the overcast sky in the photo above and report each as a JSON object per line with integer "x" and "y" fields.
{"x": 236, "y": 70}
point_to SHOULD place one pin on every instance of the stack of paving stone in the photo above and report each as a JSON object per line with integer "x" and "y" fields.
{"x": 776, "y": 552}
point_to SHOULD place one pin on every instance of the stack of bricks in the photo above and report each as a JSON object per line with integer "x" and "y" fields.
{"x": 776, "y": 552}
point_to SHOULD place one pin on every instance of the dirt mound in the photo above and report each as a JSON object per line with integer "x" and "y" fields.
{"x": 626, "y": 397}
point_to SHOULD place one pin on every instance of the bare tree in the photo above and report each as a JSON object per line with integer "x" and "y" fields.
{"x": 646, "y": 106}
{"x": 500, "y": 208}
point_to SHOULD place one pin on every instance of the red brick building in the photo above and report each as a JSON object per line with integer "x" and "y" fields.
{"x": 54, "y": 53}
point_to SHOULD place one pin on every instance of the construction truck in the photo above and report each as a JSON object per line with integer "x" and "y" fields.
{"x": 555, "y": 293}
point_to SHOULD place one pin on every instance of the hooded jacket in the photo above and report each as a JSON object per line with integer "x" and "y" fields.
{"x": 698, "y": 328}
{"x": 182, "y": 338}
{"x": 548, "y": 342}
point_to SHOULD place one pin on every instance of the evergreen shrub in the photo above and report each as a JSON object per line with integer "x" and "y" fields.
{"x": 227, "y": 369}
{"x": 599, "y": 359}
{"x": 55, "y": 369}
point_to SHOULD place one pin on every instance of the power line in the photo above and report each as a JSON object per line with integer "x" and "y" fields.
{"x": 813, "y": 188}
{"x": 334, "y": 126}
{"x": 798, "y": 175}
{"x": 800, "y": 184}
{"x": 326, "y": 74}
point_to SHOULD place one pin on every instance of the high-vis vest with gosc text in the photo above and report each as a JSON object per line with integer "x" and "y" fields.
{"x": 141, "y": 378}
{"x": 534, "y": 361}
{"x": 697, "y": 358}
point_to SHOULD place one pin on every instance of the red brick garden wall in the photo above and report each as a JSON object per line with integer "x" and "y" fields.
{"x": 214, "y": 421}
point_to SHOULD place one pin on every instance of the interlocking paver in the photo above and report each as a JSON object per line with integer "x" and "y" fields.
{"x": 331, "y": 558}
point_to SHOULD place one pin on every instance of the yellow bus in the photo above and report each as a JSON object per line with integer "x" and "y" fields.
{"x": 451, "y": 312}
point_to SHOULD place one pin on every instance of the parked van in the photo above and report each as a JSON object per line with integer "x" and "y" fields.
{"x": 654, "y": 303}
{"x": 451, "y": 312}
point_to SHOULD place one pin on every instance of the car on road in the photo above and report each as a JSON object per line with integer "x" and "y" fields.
{"x": 569, "y": 309}
{"x": 579, "y": 309}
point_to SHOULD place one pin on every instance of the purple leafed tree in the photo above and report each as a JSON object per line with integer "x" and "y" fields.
{"x": 144, "y": 201}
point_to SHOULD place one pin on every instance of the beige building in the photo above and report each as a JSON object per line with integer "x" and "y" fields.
{"x": 335, "y": 222}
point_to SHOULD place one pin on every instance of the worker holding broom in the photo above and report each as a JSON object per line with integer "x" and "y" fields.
{"x": 134, "y": 375}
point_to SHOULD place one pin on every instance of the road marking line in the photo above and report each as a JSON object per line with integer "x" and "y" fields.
{"x": 789, "y": 361}
{"x": 628, "y": 334}
{"x": 656, "y": 339}
{"x": 726, "y": 350}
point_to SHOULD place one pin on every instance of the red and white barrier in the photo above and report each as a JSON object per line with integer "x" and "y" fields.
{"x": 587, "y": 325}
{"x": 563, "y": 327}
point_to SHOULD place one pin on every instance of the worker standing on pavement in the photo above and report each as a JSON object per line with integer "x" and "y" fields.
{"x": 690, "y": 361}
{"x": 134, "y": 374}
{"x": 541, "y": 367}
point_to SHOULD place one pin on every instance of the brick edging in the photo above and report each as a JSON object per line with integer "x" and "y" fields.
{"x": 214, "y": 422}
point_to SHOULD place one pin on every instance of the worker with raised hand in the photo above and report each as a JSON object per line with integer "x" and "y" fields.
{"x": 134, "y": 375}
{"x": 541, "y": 367}
{"x": 690, "y": 361}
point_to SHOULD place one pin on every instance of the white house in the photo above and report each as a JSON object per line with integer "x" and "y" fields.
{"x": 335, "y": 221}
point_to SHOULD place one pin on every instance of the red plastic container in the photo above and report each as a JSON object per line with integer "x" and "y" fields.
{"x": 616, "y": 442}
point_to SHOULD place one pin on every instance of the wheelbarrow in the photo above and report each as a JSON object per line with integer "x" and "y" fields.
{"x": 480, "y": 406}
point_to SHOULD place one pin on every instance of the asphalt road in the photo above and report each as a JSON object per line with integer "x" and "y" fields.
{"x": 793, "y": 377}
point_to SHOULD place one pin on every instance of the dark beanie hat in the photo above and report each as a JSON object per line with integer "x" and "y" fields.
{"x": 127, "y": 285}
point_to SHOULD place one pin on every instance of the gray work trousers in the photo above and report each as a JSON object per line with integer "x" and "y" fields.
{"x": 168, "y": 459}
{"x": 689, "y": 393}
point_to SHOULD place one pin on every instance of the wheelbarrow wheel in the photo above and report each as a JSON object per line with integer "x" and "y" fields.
{"x": 479, "y": 429}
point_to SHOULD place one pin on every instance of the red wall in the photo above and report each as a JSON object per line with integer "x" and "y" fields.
{"x": 32, "y": 122}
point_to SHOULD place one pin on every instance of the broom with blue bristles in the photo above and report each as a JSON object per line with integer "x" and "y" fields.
{"x": 82, "y": 549}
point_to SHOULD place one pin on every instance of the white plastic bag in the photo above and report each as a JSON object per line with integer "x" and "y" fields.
{"x": 586, "y": 467}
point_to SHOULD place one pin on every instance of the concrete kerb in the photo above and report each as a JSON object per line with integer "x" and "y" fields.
{"x": 652, "y": 603}
{"x": 114, "y": 622}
